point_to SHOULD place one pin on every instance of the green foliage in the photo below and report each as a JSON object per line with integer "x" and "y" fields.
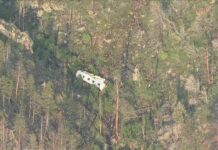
{"x": 63, "y": 54}
{"x": 44, "y": 46}
{"x": 198, "y": 41}
{"x": 20, "y": 126}
{"x": 86, "y": 38}
{"x": 213, "y": 105}
{"x": 6, "y": 87}
{"x": 99, "y": 141}
{"x": 71, "y": 111}
{"x": 163, "y": 56}
{"x": 33, "y": 142}
{"x": 47, "y": 16}
{"x": 2, "y": 54}
{"x": 131, "y": 131}
{"x": 47, "y": 96}
{"x": 178, "y": 113}
{"x": 96, "y": 147}
{"x": 108, "y": 105}
{"x": 189, "y": 17}
{"x": 155, "y": 147}
{"x": 7, "y": 11}
{"x": 30, "y": 86}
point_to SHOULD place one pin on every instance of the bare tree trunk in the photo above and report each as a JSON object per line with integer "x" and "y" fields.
{"x": 17, "y": 142}
{"x": 61, "y": 142}
{"x": 93, "y": 5}
{"x": 18, "y": 81}
{"x": 80, "y": 119}
{"x": 84, "y": 113}
{"x": 117, "y": 110}
{"x": 60, "y": 121}
{"x": 3, "y": 102}
{"x": 33, "y": 115}
{"x": 207, "y": 67}
{"x": 100, "y": 112}
{"x": 4, "y": 56}
{"x": 19, "y": 16}
{"x": 143, "y": 117}
{"x": 3, "y": 134}
{"x": 47, "y": 120}
{"x": 143, "y": 127}
{"x": 29, "y": 113}
{"x": 53, "y": 142}
{"x": 23, "y": 15}
{"x": 7, "y": 53}
{"x": 41, "y": 135}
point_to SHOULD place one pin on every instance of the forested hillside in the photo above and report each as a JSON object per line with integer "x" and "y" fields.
{"x": 159, "y": 57}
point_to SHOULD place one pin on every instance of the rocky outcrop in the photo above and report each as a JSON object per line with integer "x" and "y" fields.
{"x": 12, "y": 32}
{"x": 215, "y": 43}
{"x": 135, "y": 75}
{"x": 169, "y": 136}
{"x": 47, "y": 6}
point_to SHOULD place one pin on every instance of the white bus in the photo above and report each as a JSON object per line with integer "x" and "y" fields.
{"x": 92, "y": 79}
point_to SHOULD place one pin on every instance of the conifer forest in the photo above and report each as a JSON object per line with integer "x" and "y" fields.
{"x": 108, "y": 74}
